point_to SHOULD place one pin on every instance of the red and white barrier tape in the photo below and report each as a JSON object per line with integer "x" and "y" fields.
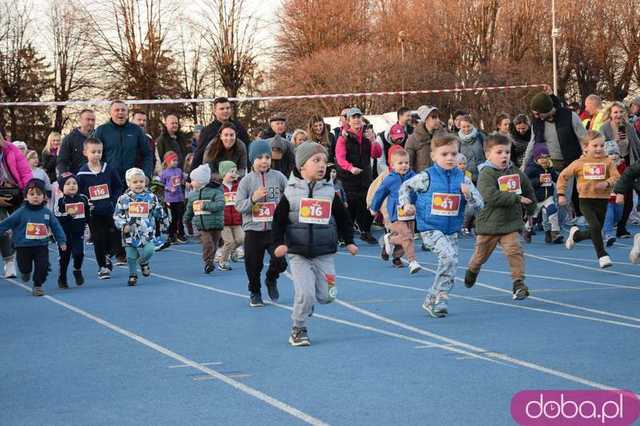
{"x": 271, "y": 98}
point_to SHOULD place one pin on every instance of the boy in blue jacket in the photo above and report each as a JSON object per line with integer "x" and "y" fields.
{"x": 31, "y": 224}
{"x": 401, "y": 225}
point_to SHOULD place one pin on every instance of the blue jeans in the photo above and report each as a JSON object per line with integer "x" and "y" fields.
{"x": 613, "y": 216}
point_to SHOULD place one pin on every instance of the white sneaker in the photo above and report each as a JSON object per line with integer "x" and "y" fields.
{"x": 634, "y": 254}
{"x": 388, "y": 247}
{"x": 10, "y": 268}
{"x": 414, "y": 267}
{"x": 239, "y": 253}
{"x": 605, "y": 262}
{"x": 570, "y": 243}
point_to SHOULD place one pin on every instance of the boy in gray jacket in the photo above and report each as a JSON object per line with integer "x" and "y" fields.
{"x": 258, "y": 195}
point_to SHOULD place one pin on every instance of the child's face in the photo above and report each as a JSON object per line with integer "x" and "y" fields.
{"x": 499, "y": 155}
{"x": 462, "y": 166}
{"x": 314, "y": 168}
{"x": 401, "y": 164}
{"x": 544, "y": 161}
{"x": 466, "y": 127}
{"x": 614, "y": 157}
{"x": 137, "y": 183}
{"x": 445, "y": 156}
{"x": 93, "y": 152}
{"x": 173, "y": 163}
{"x": 35, "y": 197}
{"x": 594, "y": 148}
{"x": 33, "y": 162}
{"x": 231, "y": 175}
{"x": 333, "y": 174}
{"x": 70, "y": 187}
{"x": 262, "y": 163}
{"x": 196, "y": 184}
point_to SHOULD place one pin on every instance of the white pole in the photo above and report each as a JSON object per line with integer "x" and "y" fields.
{"x": 555, "y": 33}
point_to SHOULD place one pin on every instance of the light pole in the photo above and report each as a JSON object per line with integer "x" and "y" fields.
{"x": 401, "y": 37}
{"x": 555, "y": 33}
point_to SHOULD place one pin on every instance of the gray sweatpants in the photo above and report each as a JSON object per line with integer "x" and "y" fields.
{"x": 310, "y": 282}
{"x": 446, "y": 248}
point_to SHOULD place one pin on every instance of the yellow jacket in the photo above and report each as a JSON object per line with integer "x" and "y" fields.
{"x": 590, "y": 171}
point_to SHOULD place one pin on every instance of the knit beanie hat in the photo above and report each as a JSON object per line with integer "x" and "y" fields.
{"x": 133, "y": 172}
{"x": 259, "y": 147}
{"x": 225, "y": 166}
{"x": 541, "y": 103}
{"x": 539, "y": 150}
{"x": 169, "y": 156}
{"x": 306, "y": 150}
{"x": 64, "y": 177}
{"x": 201, "y": 174}
{"x": 34, "y": 183}
{"x": 612, "y": 148}
{"x": 461, "y": 158}
{"x": 394, "y": 148}
{"x": 31, "y": 154}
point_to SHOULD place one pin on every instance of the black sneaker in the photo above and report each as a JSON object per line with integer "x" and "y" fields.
{"x": 368, "y": 238}
{"x": 611, "y": 241}
{"x": 133, "y": 280}
{"x": 424, "y": 247}
{"x": 62, "y": 282}
{"x": 547, "y": 237}
{"x": 77, "y": 275}
{"x": 208, "y": 268}
{"x": 520, "y": 291}
{"x": 383, "y": 254}
{"x": 104, "y": 273}
{"x": 299, "y": 337}
{"x": 470, "y": 278}
{"x": 109, "y": 264}
{"x": 37, "y": 291}
{"x": 272, "y": 290}
{"x": 255, "y": 300}
{"x": 181, "y": 239}
{"x": 145, "y": 269}
{"x": 622, "y": 233}
{"x": 397, "y": 262}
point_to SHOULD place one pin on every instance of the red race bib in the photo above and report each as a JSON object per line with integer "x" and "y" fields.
{"x": 546, "y": 180}
{"x": 139, "y": 209}
{"x": 75, "y": 209}
{"x": 99, "y": 192}
{"x": 594, "y": 171}
{"x": 263, "y": 212}
{"x": 403, "y": 216}
{"x": 36, "y": 231}
{"x": 445, "y": 204}
{"x": 510, "y": 183}
{"x": 198, "y": 208}
{"x": 314, "y": 211}
{"x": 230, "y": 198}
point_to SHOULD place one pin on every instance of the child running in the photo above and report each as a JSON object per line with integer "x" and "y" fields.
{"x": 73, "y": 212}
{"x": 258, "y": 195}
{"x": 441, "y": 194}
{"x": 504, "y": 189}
{"x": 30, "y": 225}
{"x": 172, "y": 179}
{"x": 232, "y": 234}
{"x": 205, "y": 209}
{"x": 596, "y": 174}
{"x": 306, "y": 225}
{"x": 136, "y": 214}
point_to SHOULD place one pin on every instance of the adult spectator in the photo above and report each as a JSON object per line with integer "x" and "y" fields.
{"x": 172, "y": 139}
{"x": 521, "y": 135}
{"x": 197, "y": 129}
{"x": 471, "y": 145}
{"x": 124, "y": 144}
{"x": 283, "y": 158}
{"x": 139, "y": 118}
{"x": 634, "y": 113}
{"x": 592, "y": 117}
{"x": 455, "y": 124}
{"x": 403, "y": 117}
{"x": 49, "y": 157}
{"x": 419, "y": 143}
{"x": 226, "y": 147}
{"x": 71, "y": 155}
{"x": 222, "y": 114}
{"x": 277, "y": 126}
{"x": 318, "y": 131}
{"x": 14, "y": 175}
{"x": 354, "y": 151}
{"x": 298, "y": 137}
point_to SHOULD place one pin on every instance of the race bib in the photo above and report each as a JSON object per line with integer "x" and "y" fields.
{"x": 230, "y": 198}
{"x": 99, "y": 192}
{"x": 36, "y": 231}
{"x": 75, "y": 209}
{"x": 445, "y": 204}
{"x": 263, "y": 212}
{"x": 546, "y": 180}
{"x": 139, "y": 209}
{"x": 198, "y": 208}
{"x": 314, "y": 211}
{"x": 176, "y": 181}
{"x": 594, "y": 171}
{"x": 404, "y": 216}
{"x": 510, "y": 183}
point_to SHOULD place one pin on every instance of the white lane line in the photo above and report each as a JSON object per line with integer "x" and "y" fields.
{"x": 286, "y": 408}
{"x": 188, "y": 366}
{"x": 589, "y": 268}
{"x": 595, "y": 261}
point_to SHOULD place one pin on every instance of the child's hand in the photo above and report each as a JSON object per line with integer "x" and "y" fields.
{"x": 466, "y": 190}
{"x": 562, "y": 200}
{"x": 259, "y": 193}
{"x": 409, "y": 210}
{"x": 525, "y": 201}
{"x": 352, "y": 249}
{"x": 63, "y": 247}
{"x": 602, "y": 185}
{"x": 281, "y": 251}
{"x": 619, "y": 199}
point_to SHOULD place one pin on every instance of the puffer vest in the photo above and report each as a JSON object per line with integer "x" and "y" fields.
{"x": 434, "y": 207}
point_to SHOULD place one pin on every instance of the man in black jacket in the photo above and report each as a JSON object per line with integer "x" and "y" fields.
{"x": 71, "y": 157}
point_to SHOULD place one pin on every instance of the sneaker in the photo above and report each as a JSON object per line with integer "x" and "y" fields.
{"x": 181, "y": 239}
{"x": 397, "y": 262}
{"x": 425, "y": 248}
{"x": 414, "y": 266}
{"x": 332, "y": 292}
{"x": 25, "y": 278}
{"x": 145, "y": 269}
{"x": 104, "y": 273}
{"x": 434, "y": 307}
{"x": 547, "y": 237}
{"x": 299, "y": 337}
{"x": 520, "y": 291}
{"x": 368, "y": 238}
{"x": 605, "y": 262}
{"x": 121, "y": 261}
{"x": 556, "y": 238}
{"x": 610, "y": 241}
{"x": 569, "y": 242}
{"x": 239, "y": 252}
{"x": 622, "y": 233}
{"x": 255, "y": 300}
{"x": 133, "y": 280}
{"x": 272, "y": 290}
{"x": 470, "y": 278}
{"x": 78, "y": 277}
{"x": 62, "y": 282}
{"x": 634, "y": 254}
{"x": 37, "y": 291}
{"x": 10, "y": 268}
{"x": 109, "y": 264}
{"x": 208, "y": 268}
{"x": 386, "y": 242}
{"x": 526, "y": 235}
{"x": 234, "y": 257}
{"x": 224, "y": 266}
{"x": 383, "y": 254}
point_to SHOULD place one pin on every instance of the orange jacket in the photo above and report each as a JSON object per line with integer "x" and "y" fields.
{"x": 590, "y": 171}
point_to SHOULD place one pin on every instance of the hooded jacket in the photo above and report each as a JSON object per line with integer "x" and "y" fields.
{"x": 16, "y": 164}
{"x": 31, "y": 226}
{"x": 274, "y": 181}
{"x": 419, "y": 148}
{"x": 287, "y": 163}
{"x": 209, "y": 216}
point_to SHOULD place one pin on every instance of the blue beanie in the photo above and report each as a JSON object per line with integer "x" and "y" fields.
{"x": 258, "y": 148}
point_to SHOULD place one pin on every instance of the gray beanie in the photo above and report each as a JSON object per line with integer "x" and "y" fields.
{"x": 306, "y": 150}
{"x": 201, "y": 174}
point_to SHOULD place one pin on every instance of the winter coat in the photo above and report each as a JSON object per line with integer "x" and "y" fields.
{"x": 419, "y": 148}
{"x": 70, "y": 154}
{"x": 205, "y": 208}
{"x": 93, "y": 186}
{"x": 30, "y": 226}
{"x": 125, "y": 147}
{"x": 581, "y": 168}
{"x": 632, "y": 137}
{"x": 389, "y": 190}
{"x": 275, "y": 182}
{"x": 71, "y": 215}
{"x": 356, "y": 150}
{"x": 173, "y": 181}
{"x": 210, "y": 132}
{"x": 472, "y": 147}
{"x": 231, "y": 216}
{"x": 48, "y": 163}
{"x": 178, "y": 144}
{"x": 16, "y": 164}
{"x": 141, "y": 217}
{"x": 542, "y": 180}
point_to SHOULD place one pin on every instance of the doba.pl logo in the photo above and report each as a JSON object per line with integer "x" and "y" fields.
{"x": 583, "y": 408}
